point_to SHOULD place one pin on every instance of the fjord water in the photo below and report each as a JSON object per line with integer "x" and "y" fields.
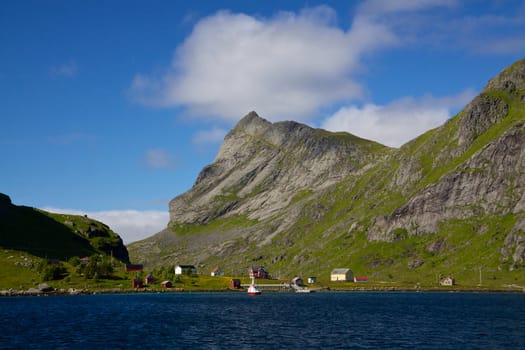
{"x": 342, "y": 320}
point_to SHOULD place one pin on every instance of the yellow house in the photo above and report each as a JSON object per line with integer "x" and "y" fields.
{"x": 341, "y": 274}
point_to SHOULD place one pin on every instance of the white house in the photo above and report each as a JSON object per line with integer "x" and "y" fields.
{"x": 185, "y": 270}
{"x": 216, "y": 272}
{"x": 298, "y": 281}
{"x": 341, "y": 274}
{"x": 449, "y": 281}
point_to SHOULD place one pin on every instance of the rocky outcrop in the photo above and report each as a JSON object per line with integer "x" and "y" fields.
{"x": 488, "y": 178}
{"x": 261, "y": 166}
{"x": 479, "y": 116}
{"x": 489, "y": 182}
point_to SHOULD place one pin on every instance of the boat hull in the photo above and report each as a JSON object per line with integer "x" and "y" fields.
{"x": 253, "y": 291}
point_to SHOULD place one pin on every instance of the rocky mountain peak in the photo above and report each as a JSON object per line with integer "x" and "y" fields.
{"x": 491, "y": 106}
{"x": 261, "y": 165}
{"x": 510, "y": 79}
{"x": 252, "y": 124}
{"x": 277, "y": 134}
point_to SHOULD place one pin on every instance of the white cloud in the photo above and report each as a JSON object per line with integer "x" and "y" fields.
{"x": 397, "y": 122}
{"x": 489, "y": 34}
{"x": 295, "y": 65}
{"x": 156, "y": 158}
{"x": 131, "y": 225}
{"x": 287, "y": 66}
{"x": 213, "y": 135}
{"x": 380, "y": 7}
{"x": 66, "y": 70}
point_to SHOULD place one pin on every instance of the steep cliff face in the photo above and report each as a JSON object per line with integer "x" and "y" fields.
{"x": 296, "y": 198}
{"x": 477, "y": 167}
{"x": 261, "y": 166}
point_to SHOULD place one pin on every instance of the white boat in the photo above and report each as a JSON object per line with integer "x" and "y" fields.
{"x": 252, "y": 290}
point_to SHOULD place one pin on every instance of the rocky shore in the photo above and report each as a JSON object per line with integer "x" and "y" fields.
{"x": 46, "y": 290}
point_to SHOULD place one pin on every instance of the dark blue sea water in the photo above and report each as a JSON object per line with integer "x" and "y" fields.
{"x": 368, "y": 320}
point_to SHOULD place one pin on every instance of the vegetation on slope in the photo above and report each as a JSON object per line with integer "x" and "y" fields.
{"x": 375, "y": 219}
{"x": 55, "y": 236}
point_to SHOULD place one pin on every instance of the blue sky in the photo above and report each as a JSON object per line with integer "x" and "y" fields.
{"x": 112, "y": 108}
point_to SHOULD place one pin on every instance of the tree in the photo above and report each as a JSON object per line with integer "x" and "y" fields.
{"x": 98, "y": 266}
{"x": 52, "y": 271}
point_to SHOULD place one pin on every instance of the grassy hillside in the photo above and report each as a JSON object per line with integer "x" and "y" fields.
{"x": 55, "y": 236}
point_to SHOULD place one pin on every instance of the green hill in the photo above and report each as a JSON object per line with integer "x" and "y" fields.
{"x": 55, "y": 236}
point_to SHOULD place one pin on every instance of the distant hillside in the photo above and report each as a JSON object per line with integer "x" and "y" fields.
{"x": 55, "y": 236}
{"x": 302, "y": 201}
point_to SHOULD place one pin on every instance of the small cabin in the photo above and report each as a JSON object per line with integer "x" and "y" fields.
{"x": 298, "y": 281}
{"x": 216, "y": 272}
{"x": 134, "y": 267}
{"x": 235, "y": 283}
{"x": 448, "y": 281}
{"x": 360, "y": 279}
{"x": 312, "y": 279}
{"x": 137, "y": 283}
{"x": 149, "y": 279}
{"x": 258, "y": 272}
{"x": 185, "y": 270}
{"x": 166, "y": 284}
{"x": 341, "y": 275}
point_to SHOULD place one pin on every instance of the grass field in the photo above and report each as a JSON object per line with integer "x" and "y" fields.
{"x": 20, "y": 272}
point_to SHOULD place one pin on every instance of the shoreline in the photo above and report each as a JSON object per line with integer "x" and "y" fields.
{"x": 73, "y": 291}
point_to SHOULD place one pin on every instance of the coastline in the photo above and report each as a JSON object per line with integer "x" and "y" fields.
{"x": 73, "y": 291}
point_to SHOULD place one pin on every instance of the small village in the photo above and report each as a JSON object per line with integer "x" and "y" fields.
{"x": 296, "y": 284}
{"x": 77, "y": 276}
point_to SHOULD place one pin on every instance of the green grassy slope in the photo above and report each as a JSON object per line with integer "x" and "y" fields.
{"x": 55, "y": 236}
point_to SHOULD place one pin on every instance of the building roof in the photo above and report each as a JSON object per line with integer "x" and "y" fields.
{"x": 186, "y": 266}
{"x": 257, "y": 268}
{"x": 340, "y": 271}
{"x": 134, "y": 267}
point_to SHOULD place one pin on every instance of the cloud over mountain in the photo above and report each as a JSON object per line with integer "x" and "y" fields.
{"x": 397, "y": 122}
{"x": 131, "y": 225}
{"x": 289, "y": 65}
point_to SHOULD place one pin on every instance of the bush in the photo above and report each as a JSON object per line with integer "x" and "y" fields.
{"x": 74, "y": 261}
{"x": 53, "y": 272}
{"x": 98, "y": 267}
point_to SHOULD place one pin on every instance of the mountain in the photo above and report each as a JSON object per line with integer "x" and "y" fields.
{"x": 55, "y": 236}
{"x": 303, "y": 201}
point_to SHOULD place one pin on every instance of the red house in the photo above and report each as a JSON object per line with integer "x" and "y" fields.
{"x": 149, "y": 279}
{"x": 258, "y": 272}
{"x": 136, "y": 283}
{"x": 166, "y": 284}
{"x": 235, "y": 283}
{"x": 360, "y": 279}
{"x": 134, "y": 267}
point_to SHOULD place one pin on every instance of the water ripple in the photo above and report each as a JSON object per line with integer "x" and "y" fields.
{"x": 271, "y": 321}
